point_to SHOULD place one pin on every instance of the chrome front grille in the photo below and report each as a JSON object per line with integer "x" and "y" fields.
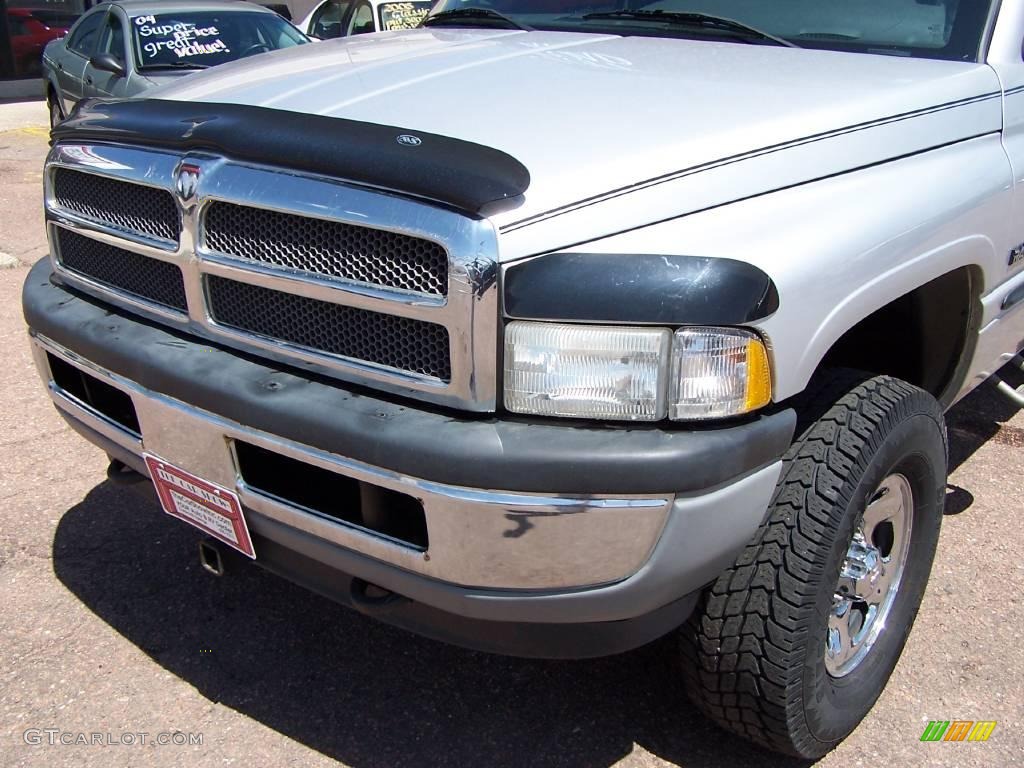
{"x": 132, "y": 208}
{"x": 397, "y": 342}
{"x": 113, "y": 267}
{"x": 363, "y": 285}
{"x": 330, "y": 248}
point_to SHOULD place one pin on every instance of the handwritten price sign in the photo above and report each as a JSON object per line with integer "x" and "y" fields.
{"x": 395, "y": 16}
{"x": 182, "y": 38}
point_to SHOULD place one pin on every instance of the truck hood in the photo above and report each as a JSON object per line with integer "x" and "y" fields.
{"x": 593, "y": 115}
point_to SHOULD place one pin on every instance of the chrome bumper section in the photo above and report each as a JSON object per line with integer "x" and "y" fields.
{"x": 479, "y": 538}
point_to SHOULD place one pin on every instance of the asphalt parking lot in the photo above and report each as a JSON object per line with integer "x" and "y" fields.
{"x": 109, "y": 626}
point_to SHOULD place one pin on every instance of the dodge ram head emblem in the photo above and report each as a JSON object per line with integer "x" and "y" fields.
{"x": 408, "y": 140}
{"x": 188, "y": 180}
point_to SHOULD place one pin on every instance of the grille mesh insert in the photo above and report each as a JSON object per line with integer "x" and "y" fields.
{"x": 329, "y": 248}
{"x": 127, "y": 206}
{"x": 150, "y": 279}
{"x": 398, "y": 342}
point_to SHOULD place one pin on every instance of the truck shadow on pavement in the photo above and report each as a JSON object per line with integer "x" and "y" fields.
{"x": 359, "y": 691}
{"x": 974, "y": 421}
{"x": 372, "y": 695}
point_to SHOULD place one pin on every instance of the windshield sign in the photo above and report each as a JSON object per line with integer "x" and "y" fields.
{"x": 204, "y": 39}
{"x": 402, "y": 15}
{"x": 941, "y": 29}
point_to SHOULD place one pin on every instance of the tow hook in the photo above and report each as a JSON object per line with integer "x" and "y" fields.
{"x": 210, "y": 558}
{"x": 120, "y": 473}
{"x": 372, "y": 600}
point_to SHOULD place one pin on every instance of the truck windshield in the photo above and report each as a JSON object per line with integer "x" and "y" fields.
{"x": 200, "y": 39}
{"x": 938, "y": 29}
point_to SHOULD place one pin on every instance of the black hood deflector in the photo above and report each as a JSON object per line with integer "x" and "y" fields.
{"x": 458, "y": 173}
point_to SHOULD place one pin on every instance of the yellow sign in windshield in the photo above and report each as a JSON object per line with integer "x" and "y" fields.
{"x": 402, "y": 15}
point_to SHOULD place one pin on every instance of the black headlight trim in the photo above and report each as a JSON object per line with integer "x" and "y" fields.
{"x": 638, "y": 288}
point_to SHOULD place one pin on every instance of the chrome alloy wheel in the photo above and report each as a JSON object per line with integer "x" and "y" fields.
{"x": 870, "y": 576}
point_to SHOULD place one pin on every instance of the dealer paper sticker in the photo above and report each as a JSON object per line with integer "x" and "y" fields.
{"x": 209, "y": 507}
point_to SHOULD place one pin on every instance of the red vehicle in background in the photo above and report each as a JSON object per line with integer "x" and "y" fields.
{"x": 29, "y": 35}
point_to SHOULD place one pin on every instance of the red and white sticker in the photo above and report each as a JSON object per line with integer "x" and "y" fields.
{"x": 210, "y": 508}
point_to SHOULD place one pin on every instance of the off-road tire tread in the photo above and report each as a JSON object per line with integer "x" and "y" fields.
{"x": 743, "y": 649}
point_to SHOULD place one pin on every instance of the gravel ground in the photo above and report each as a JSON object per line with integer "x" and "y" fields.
{"x": 109, "y": 626}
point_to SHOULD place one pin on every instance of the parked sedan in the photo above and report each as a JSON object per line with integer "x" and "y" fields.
{"x": 126, "y": 47}
{"x": 29, "y": 35}
{"x": 341, "y": 18}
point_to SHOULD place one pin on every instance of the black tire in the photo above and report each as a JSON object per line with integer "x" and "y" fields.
{"x": 754, "y": 650}
{"x": 54, "y": 107}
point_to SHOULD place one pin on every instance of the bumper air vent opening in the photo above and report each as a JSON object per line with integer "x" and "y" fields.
{"x": 95, "y": 394}
{"x": 312, "y": 488}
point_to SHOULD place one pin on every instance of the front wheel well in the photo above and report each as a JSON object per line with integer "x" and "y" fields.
{"x": 925, "y": 337}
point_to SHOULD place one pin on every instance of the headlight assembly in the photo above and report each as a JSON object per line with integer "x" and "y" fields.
{"x": 634, "y": 373}
{"x": 588, "y": 371}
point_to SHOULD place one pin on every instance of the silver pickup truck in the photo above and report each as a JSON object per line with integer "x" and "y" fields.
{"x": 552, "y": 328}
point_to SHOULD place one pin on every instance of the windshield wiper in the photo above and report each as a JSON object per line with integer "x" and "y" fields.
{"x": 468, "y": 14}
{"x": 175, "y": 65}
{"x": 692, "y": 20}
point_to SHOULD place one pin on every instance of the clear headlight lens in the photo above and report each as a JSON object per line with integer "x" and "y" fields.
{"x": 589, "y": 371}
{"x": 634, "y": 373}
{"x": 718, "y": 372}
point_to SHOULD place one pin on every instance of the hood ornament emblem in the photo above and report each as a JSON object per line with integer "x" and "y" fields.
{"x": 187, "y": 182}
{"x": 408, "y": 140}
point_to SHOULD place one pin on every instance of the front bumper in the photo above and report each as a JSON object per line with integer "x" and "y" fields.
{"x": 530, "y": 523}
